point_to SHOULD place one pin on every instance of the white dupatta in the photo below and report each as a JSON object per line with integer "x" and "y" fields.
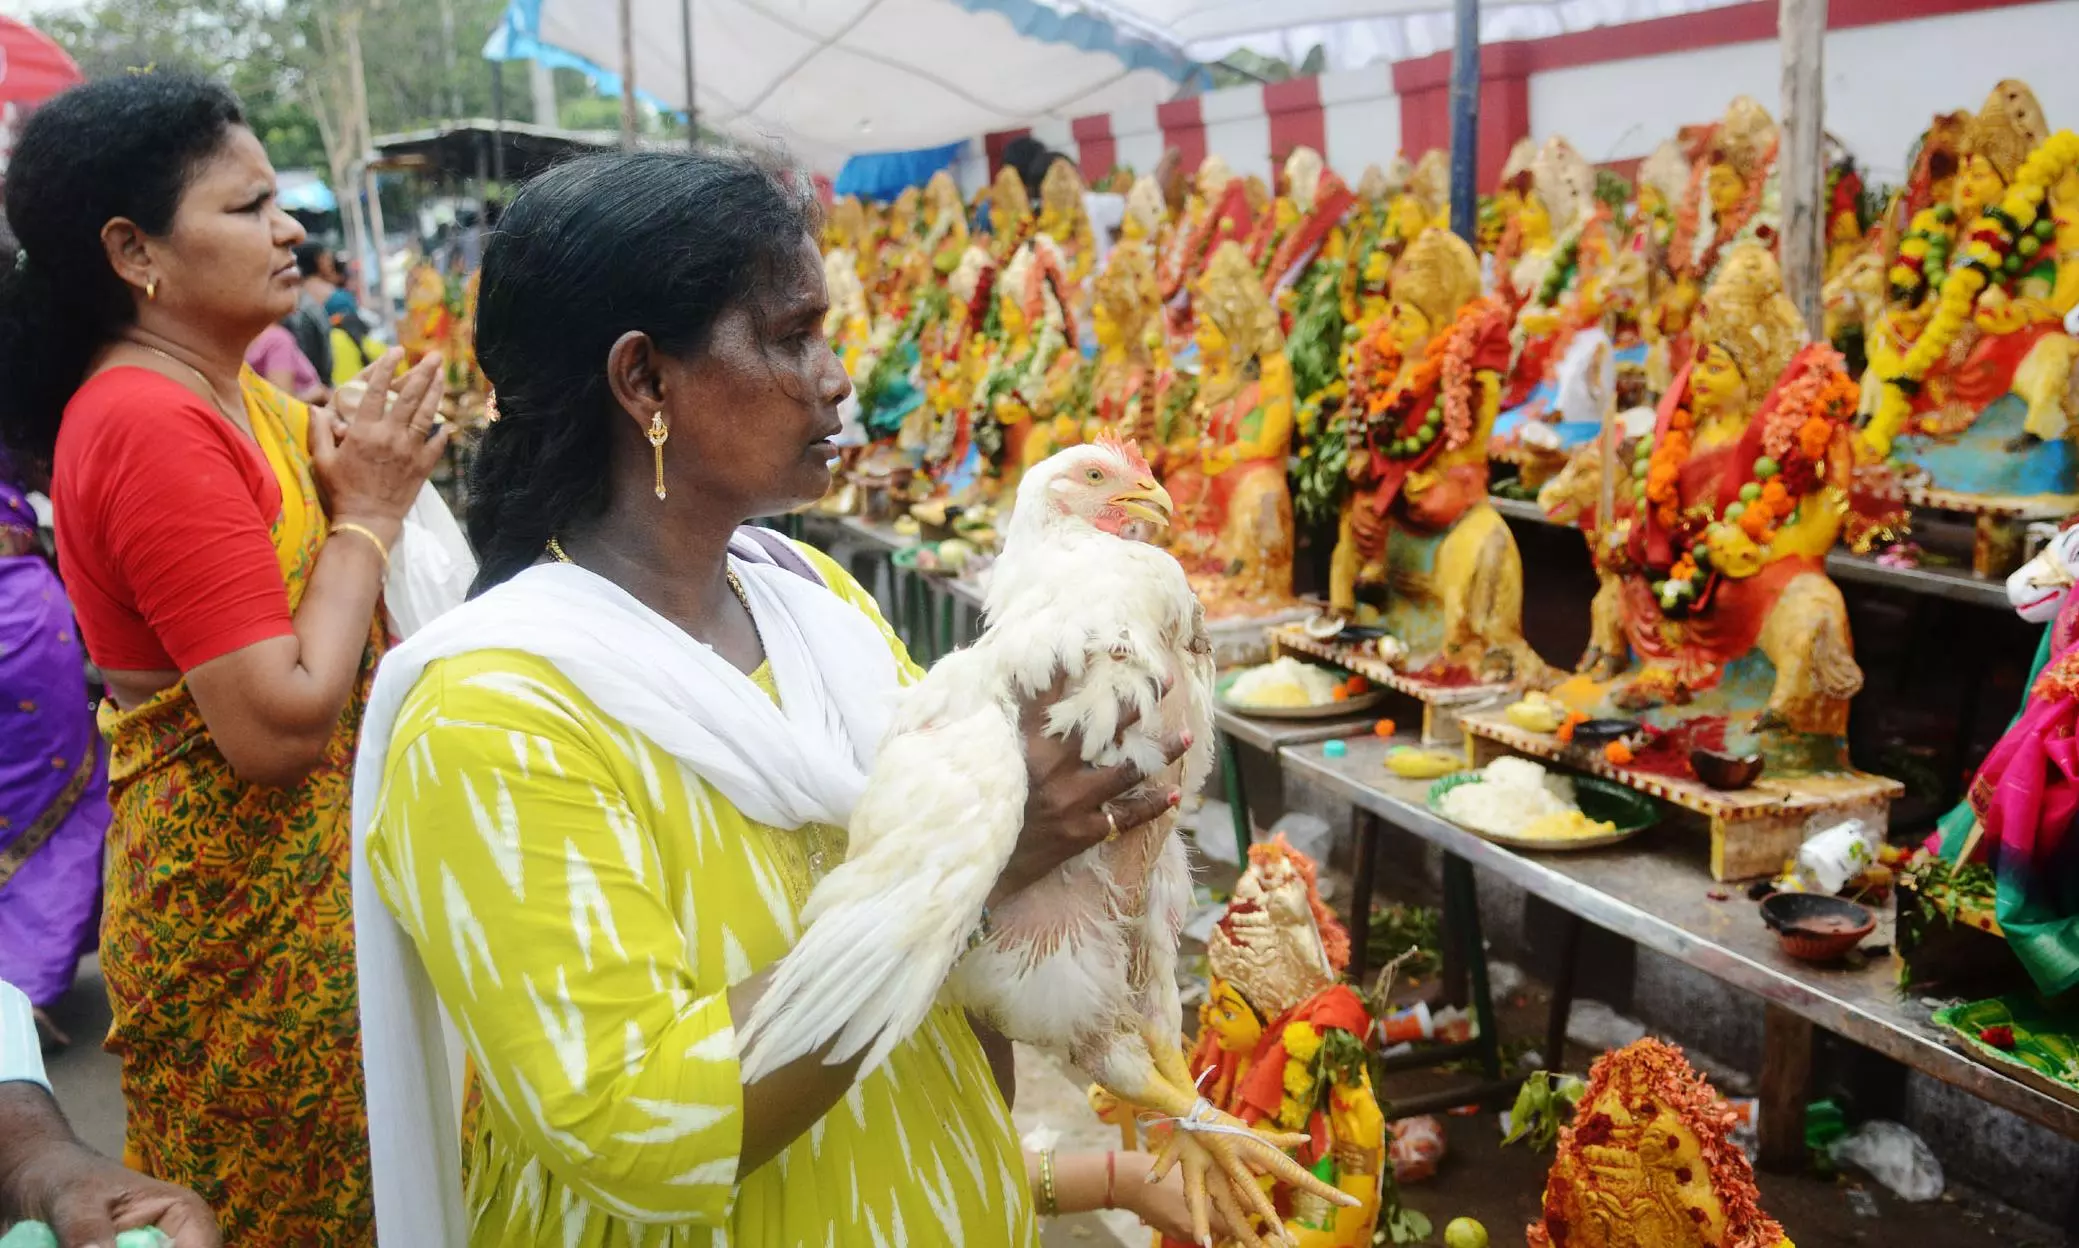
{"x": 803, "y": 761}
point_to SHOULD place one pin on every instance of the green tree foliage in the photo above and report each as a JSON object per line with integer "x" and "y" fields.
{"x": 423, "y": 58}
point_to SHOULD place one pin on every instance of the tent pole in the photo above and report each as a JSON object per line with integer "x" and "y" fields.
{"x": 628, "y": 75}
{"x": 686, "y": 45}
{"x": 1465, "y": 123}
{"x": 1801, "y": 28}
{"x": 498, "y": 122}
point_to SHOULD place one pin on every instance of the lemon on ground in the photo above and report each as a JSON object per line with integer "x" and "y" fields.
{"x": 1465, "y": 1233}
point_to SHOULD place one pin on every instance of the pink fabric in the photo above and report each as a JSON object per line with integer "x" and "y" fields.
{"x": 2034, "y": 785}
{"x": 275, "y": 356}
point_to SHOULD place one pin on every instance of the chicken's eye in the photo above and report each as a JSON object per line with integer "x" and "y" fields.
{"x": 1094, "y": 475}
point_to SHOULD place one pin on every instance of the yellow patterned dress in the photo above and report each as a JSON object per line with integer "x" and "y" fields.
{"x": 227, "y": 940}
{"x": 581, "y": 904}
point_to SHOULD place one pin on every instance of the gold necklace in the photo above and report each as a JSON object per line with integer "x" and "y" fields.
{"x": 736, "y": 586}
{"x": 208, "y": 387}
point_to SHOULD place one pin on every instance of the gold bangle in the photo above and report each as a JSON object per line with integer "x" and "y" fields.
{"x": 1049, "y": 1204}
{"x": 346, "y": 526}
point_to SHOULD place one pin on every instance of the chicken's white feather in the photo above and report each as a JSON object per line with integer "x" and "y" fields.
{"x": 1072, "y": 957}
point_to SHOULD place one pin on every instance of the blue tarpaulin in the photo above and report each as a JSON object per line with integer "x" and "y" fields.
{"x": 884, "y": 175}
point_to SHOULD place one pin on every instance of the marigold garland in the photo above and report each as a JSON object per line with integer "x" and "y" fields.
{"x": 1813, "y": 402}
{"x": 1688, "y": 218}
{"x": 1433, "y": 405}
{"x": 1994, "y": 248}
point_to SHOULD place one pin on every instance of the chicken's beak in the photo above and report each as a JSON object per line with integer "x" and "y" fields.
{"x": 1146, "y": 501}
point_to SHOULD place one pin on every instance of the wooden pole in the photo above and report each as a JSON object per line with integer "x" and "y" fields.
{"x": 364, "y": 142}
{"x": 1465, "y": 124}
{"x": 1606, "y": 500}
{"x": 498, "y": 122}
{"x": 686, "y": 46}
{"x": 1801, "y": 29}
{"x": 628, "y": 75}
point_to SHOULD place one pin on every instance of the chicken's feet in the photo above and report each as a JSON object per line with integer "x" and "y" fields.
{"x": 1222, "y": 1157}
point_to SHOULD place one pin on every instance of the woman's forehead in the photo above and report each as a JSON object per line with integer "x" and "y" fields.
{"x": 238, "y": 160}
{"x": 794, "y": 280}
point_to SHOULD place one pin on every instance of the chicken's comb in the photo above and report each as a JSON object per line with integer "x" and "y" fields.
{"x": 1129, "y": 451}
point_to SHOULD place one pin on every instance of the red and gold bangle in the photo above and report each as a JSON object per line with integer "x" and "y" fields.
{"x": 1111, "y": 1175}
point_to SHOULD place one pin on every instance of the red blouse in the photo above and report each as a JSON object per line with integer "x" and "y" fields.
{"x": 164, "y": 512}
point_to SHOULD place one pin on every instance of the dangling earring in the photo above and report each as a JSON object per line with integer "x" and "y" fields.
{"x": 658, "y": 433}
{"x": 151, "y": 290}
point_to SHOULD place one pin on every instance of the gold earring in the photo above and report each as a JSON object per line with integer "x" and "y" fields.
{"x": 151, "y": 290}
{"x": 658, "y": 433}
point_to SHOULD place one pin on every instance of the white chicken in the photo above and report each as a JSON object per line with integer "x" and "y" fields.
{"x": 1084, "y": 961}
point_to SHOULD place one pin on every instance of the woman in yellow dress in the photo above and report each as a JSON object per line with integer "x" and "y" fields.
{"x": 592, "y": 801}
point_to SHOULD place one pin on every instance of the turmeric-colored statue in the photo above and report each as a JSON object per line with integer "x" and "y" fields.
{"x": 1566, "y": 288}
{"x": 1663, "y": 178}
{"x": 847, "y": 324}
{"x": 1022, "y": 401}
{"x": 1417, "y": 527}
{"x": 1127, "y": 320}
{"x": 1846, "y": 230}
{"x": 1224, "y": 462}
{"x": 1281, "y": 1043}
{"x": 427, "y": 324}
{"x": 1501, "y": 234}
{"x": 1731, "y": 198}
{"x": 1716, "y": 614}
{"x": 1305, "y": 223}
{"x": 1416, "y": 203}
{"x": 1064, "y": 218}
{"x": 1146, "y": 223}
{"x": 1972, "y": 374}
{"x": 954, "y": 357}
{"x": 1216, "y": 212}
{"x": 945, "y": 223}
{"x": 1010, "y": 215}
{"x": 1648, "y": 1162}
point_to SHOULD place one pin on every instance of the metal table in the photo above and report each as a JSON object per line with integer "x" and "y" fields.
{"x": 1270, "y": 736}
{"x": 1654, "y": 890}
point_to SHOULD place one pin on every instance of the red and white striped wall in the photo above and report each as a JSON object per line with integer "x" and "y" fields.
{"x": 1615, "y": 92}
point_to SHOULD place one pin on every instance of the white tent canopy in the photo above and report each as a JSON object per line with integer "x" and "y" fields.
{"x": 829, "y": 78}
{"x": 1355, "y": 33}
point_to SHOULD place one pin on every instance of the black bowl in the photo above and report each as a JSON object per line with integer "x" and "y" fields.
{"x": 1815, "y": 927}
{"x": 1600, "y": 732}
{"x": 1725, "y": 772}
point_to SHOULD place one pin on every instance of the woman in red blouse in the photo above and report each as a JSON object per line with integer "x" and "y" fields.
{"x": 225, "y": 548}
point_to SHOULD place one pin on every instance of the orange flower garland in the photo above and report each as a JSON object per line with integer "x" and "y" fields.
{"x": 1688, "y": 218}
{"x": 1664, "y": 468}
{"x": 1724, "y": 230}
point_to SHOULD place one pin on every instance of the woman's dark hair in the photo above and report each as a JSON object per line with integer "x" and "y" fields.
{"x": 122, "y": 147}
{"x": 591, "y": 250}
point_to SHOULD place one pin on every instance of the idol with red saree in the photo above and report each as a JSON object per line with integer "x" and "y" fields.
{"x": 1716, "y": 616}
{"x": 1282, "y": 1043}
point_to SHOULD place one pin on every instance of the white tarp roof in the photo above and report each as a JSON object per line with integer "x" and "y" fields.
{"x": 1355, "y": 33}
{"x": 833, "y": 77}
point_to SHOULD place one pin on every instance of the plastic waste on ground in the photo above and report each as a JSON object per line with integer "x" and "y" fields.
{"x": 1310, "y": 835}
{"x": 1212, "y": 830}
{"x": 1504, "y": 979}
{"x": 1598, "y": 1028}
{"x": 1892, "y": 1154}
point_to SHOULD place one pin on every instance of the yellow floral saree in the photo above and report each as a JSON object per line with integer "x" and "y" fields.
{"x": 227, "y": 941}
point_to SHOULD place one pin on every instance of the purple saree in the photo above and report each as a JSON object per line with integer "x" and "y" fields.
{"x": 53, "y": 768}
